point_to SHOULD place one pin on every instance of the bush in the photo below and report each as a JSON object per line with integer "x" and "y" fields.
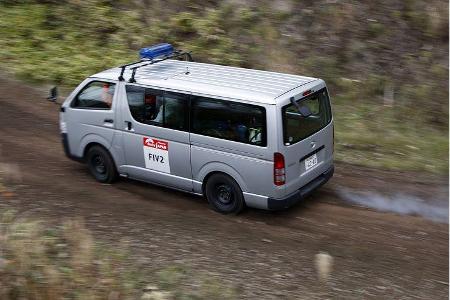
{"x": 38, "y": 261}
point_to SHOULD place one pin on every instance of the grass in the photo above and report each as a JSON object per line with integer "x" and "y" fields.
{"x": 64, "y": 43}
{"x": 40, "y": 262}
{"x": 371, "y": 136}
{"x": 65, "y": 261}
{"x": 394, "y": 136}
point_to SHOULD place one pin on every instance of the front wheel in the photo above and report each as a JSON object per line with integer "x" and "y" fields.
{"x": 224, "y": 194}
{"x": 101, "y": 165}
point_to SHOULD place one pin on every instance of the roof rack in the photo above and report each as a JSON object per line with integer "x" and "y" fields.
{"x": 146, "y": 62}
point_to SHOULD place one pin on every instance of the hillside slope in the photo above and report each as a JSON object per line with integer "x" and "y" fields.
{"x": 386, "y": 62}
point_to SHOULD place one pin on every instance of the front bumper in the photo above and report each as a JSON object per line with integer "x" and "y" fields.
{"x": 303, "y": 192}
{"x": 65, "y": 142}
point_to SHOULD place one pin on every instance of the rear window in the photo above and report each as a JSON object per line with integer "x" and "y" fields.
{"x": 229, "y": 120}
{"x": 296, "y": 127}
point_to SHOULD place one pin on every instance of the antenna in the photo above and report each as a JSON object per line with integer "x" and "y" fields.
{"x": 188, "y": 57}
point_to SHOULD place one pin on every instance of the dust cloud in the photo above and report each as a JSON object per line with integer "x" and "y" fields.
{"x": 398, "y": 203}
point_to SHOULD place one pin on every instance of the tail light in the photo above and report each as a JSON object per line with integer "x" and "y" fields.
{"x": 279, "y": 171}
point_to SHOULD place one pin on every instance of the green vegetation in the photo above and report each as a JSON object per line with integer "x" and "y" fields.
{"x": 385, "y": 143}
{"x": 386, "y": 64}
{"x": 38, "y": 261}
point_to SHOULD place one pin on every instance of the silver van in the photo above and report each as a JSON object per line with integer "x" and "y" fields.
{"x": 240, "y": 137}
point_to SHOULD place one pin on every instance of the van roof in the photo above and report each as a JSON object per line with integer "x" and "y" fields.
{"x": 214, "y": 80}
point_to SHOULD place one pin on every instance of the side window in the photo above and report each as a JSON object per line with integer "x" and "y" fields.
{"x": 96, "y": 95}
{"x": 176, "y": 110}
{"x": 229, "y": 120}
{"x": 155, "y": 107}
{"x": 146, "y": 105}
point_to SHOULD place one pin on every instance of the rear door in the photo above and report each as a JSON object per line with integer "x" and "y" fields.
{"x": 90, "y": 115}
{"x": 307, "y": 141}
{"x": 156, "y": 136}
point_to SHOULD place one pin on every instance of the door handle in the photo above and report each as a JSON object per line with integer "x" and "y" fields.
{"x": 129, "y": 125}
{"x": 108, "y": 121}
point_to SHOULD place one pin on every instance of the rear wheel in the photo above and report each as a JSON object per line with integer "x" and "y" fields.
{"x": 101, "y": 164}
{"x": 224, "y": 194}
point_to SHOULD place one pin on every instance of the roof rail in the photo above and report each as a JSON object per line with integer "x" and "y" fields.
{"x": 146, "y": 62}
{"x": 127, "y": 65}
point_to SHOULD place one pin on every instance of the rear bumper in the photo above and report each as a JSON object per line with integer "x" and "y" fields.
{"x": 277, "y": 204}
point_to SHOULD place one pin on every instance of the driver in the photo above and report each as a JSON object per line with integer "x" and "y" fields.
{"x": 107, "y": 94}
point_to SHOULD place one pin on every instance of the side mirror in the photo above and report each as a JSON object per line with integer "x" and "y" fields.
{"x": 53, "y": 94}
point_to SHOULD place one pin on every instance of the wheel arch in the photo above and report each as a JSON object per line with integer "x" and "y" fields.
{"x": 90, "y": 140}
{"x": 92, "y": 144}
{"x": 215, "y": 168}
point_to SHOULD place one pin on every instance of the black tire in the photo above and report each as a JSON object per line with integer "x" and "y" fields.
{"x": 101, "y": 164}
{"x": 224, "y": 194}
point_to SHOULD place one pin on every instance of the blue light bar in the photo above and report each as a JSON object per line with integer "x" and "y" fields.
{"x": 153, "y": 52}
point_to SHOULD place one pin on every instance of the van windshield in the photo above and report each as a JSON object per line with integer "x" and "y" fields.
{"x": 296, "y": 127}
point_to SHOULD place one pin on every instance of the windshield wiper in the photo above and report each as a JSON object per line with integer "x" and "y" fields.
{"x": 303, "y": 110}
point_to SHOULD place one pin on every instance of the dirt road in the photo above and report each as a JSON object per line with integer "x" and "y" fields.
{"x": 379, "y": 255}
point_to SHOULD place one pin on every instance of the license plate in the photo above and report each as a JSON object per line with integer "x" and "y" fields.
{"x": 310, "y": 162}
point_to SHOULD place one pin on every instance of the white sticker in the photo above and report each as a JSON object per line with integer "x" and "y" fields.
{"x": 156, "y": 154}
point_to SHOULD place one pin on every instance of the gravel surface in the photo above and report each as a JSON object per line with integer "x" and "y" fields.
{"x": 265, "y": 255}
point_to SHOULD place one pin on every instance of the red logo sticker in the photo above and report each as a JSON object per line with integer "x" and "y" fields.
{"x": 154, "y": 143}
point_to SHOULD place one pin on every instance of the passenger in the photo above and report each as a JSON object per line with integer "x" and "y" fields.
{"x": 150, "y": 107}
{"x": 241, "y": 133}
{"x": 107, "y": 95}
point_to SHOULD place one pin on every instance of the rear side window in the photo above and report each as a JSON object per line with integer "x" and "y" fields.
{"x": 159, "y": 108}
{"x": 228, "y": 120}
{"x": 95, "y": 95}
